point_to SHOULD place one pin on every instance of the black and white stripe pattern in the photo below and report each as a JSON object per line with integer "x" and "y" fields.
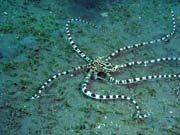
{"x": 73, "y": 44}
{"x": 107, "y": 70}
{"x": 88, "y": 93}
{"x": 145, "y": 63}
{"x": 54, "y": 77}
{"x": 143, "y": 78}
{"x": 164, "y": 38}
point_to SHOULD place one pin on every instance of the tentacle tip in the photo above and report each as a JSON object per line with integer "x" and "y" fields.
{"x": 147, "y": 115}
{"x": 142, "y": 116}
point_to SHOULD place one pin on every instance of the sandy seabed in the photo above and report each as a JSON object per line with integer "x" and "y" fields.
{"x": 34, "y": 46}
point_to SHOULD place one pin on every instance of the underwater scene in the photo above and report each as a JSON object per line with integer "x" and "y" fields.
{"x": 89, "y": 67}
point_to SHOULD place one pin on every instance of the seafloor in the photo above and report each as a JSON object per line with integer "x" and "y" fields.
{"x": 34, "y": 46}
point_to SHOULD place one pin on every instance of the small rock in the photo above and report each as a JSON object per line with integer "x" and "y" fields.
{"x": 104, "y": 14}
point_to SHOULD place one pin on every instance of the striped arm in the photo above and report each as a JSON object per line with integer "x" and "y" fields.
{"x": 143, "y": 78}
{"x": 145, "y": 63}
{"x": 164, "y": 38}
{"x": 138, "y": 112}
{"x": 73, "y": 44}
{"x": 54, "y": 77}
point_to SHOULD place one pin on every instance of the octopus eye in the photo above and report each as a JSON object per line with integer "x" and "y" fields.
{"x": 95, "y": 62}
{"x": 109, "y": 66}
